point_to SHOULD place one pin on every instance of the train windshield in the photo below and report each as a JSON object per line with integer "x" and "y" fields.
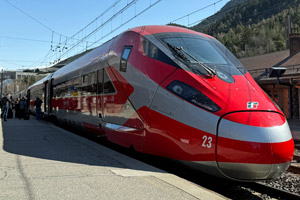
{"x": 204, "y": 54}
{"x": 202, "y": 50}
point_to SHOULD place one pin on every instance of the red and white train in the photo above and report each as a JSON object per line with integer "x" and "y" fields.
{"x": 175, "y": 93}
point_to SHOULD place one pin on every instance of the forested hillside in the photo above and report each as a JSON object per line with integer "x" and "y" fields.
{"x": 256, "y": 25}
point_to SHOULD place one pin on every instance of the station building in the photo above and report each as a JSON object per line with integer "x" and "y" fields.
{"x": 278, "y": 74}
{"x": 16, "y": 81}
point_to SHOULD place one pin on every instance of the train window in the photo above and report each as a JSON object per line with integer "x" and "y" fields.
{"x": 89, "y": 84}
{"x": 124, "y": 58}
{"x": 92, "y": 87}
{"x": 60, "y": 90}
{"x": 85, "y": 80}
{"x": 69, "y": 88}
{"x": 230, "y": 56}
{"x": 72, "y": 88}
{"x": 200, "y": 49}
{"x": 64, "y": 90}
{"x": 107, "y": 84}
{"x": 93, "y": 77}
{"x": 154, "y": 52}
{"x": 76, "y": 83}
{"x": 100, "y": 81}
{"x": 56, "y": 91}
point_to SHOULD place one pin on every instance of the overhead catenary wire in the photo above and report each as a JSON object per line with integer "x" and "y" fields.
{"x": 81, "y": 44}
{"x": 219, "y": 12}
{"x": 210, "y": 5}
{"x": 97, "y": 40}
{"x": 61, "y": 46}
{"x": 101, "y": 15}
{"x": 49, "y": 55}
{"x": 196, "y": 11}
{"x": 122, "y": 24}
{"x": 16, "y": 60}
{"x": 25, "y": 39}
{"x": 32, "y": 18}
{"x": 101, "y": 26}
{"x": 40, "y": 23}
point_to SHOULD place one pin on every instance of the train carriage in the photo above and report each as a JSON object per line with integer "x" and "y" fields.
{"x": 176, "y": 93}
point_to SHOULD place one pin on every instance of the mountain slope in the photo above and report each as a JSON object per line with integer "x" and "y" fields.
{"x": 252, "y": 27}
{"x": 218, "y": 16}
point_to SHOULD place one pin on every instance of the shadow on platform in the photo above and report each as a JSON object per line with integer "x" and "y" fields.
{"x": 45, "y": 141}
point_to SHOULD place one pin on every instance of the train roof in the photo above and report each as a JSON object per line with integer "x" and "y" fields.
{"x": 40, "y": 81}
{"x": 149, "y": 30}
{"x": 83, "y": 61}
{"x": 90, "y": 57}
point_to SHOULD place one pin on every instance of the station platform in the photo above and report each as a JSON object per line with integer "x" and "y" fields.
{"x": 42, "y": 161}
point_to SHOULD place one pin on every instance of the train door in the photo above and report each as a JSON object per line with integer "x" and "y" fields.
{"x": 120, "y": 121}
{"x": 111, "y": 100}
{"x": 50, "y": 95}
{"x": 45, "y": 98}
{"x": 99, "y": 95}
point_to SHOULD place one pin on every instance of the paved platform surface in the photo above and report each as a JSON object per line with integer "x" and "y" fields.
{"x": 41, "y": 161}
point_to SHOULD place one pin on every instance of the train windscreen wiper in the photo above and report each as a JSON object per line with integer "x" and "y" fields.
{"x": 179, "y": 50}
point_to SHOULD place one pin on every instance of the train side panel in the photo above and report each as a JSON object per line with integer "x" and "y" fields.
{"x": 76, "y": 98}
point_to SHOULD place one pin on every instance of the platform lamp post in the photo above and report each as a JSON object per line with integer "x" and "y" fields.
{"x": 277, "y": 72}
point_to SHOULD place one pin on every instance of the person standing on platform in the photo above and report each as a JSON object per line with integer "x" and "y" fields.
{"x": 23, "y": 105}
{"x": 10, "y": 113}
{"x": 17, "y": 108}
{"x": 5, "y": 101}
{"x": 38, "y": 111}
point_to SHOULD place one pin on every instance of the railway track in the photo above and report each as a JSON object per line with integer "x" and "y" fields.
{"x": 295, "y": 166}
{"x": 297, "y": 145}
{"x": 273, "y": 192}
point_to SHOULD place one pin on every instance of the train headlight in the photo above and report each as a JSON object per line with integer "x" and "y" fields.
{"x": 225, "y": 76}
{"x": 177, "y": 89}
{"x": 192, "y": 95}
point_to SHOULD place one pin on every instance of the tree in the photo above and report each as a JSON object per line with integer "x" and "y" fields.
{"x": 259, "y": 24}
{"x": 29, "y": 80}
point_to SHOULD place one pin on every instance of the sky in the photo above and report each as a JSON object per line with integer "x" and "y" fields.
{"x": 37, "y": 33}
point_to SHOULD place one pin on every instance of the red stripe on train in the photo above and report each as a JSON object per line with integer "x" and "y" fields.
{"x": 259, "y": 119}
{"x": 236, "y": 151}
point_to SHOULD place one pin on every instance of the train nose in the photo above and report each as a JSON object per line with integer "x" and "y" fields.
{"x": 254, "y": 145}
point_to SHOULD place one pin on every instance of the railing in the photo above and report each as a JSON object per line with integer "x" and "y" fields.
{"x": 291, "y": 70}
